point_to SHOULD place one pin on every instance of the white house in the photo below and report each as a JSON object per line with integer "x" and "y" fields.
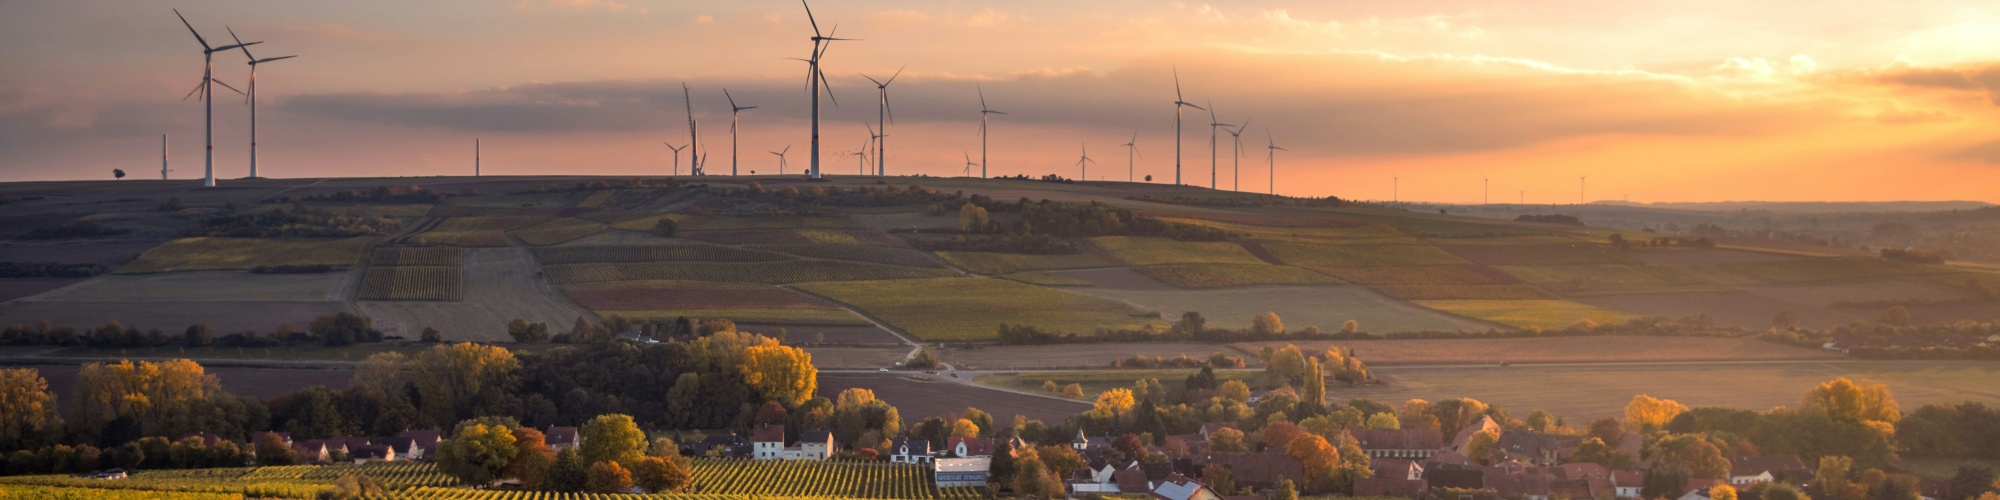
{"x": 1626, "y": 483}
{"x": 909, "y": 451}
{"x": 813, "y": 445}
{"x": 964, "y": 447}
{"x": 768, "y": 442}
{"x": 1096, "y": 477}
{"x": 962, "y": 472}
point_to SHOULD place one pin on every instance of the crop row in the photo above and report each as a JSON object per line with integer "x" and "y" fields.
{"x": 413, "y": 283}
{"x": 858, "y": 253}
{"x": 793, "y": 271}
{"x": 418, "y": 256}
{"x": 820, "y": 479}
{"x": 647, "y": 253}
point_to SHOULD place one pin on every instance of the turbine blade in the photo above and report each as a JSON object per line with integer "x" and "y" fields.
{"x": 239, "y": 43}
{"x": 197, "y": 34}
{"x": 269, "y": 59}
{"x": 197, "y": 88}
{"x": 828, "y": 86}
{"x": 732, "y": 99}
{"x": 226, "y": 86}
{"x": 890, "y": 107}
{"x": 878, "y": 83}
{"x": 892, "y": 78}
{"x": 1239, "y": 128}
{"x": 1177, "y": 85}
{"x": 809, "y": 17}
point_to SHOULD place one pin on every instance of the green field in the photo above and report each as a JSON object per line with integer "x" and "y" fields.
{"x": 856, "y": 253}
{"x": 1546, "y": 314}
{"x": 1602, "y": 275}
{"x": 791, "y": 271}
{"x": 993, "y": 263}
{"x": 1155, "y": 251}
{"x": 973, "y": 308}
{"x": 1819, "y": 269}
{"x": 557, "y": 231}
{"x": 211, "y": 254}
{"x": 1228, "y": 275}
{"x": 1413, "y": 275}
{"x": 1361, "y": 255}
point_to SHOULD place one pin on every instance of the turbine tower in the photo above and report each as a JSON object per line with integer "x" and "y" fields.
{"x": 1131, "y": 150}
{"x": 1179, "y": 102}
{"x": 1486, "y": 192}
{"x": 1214, "y": 123}
{"x": 883, "y": 115}
{"x": 1396, "y": 188}
{"x": 694, "y": 134}
{"x": 254, "y": 61}
{"x": 1082, "y": 165}
{"x": 781, "y": 158}
{"x": 1580, "y": 183}
{"x": 1236, "y": 137}
{"x": 983, "y": 113}
{"x": 475, "y": 157}
{"x": 968, "y": 165}
{"x": 733, "y": 110}
{"x": 875, "y": 141}
{"x": 1272, "y": 150}
{"x": 163, "y": 157}
{"x": 815, "y": 78}
{"x": 208, "y": 114}
{"x": 677, "y": 155}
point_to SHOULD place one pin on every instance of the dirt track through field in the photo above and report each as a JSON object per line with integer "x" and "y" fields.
{"x": 501, "y": 284}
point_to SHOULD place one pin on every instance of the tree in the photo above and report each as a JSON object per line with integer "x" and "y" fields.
{"x": 477, "y": 452}
{"x": 1835, "y": 477}
{"x": 431, "y": 335}
{"x": 1664, "y": 481}
{"x": 1313, "y": 394}
{"x": 1032, "y": 478}
{"x": 569, "y": 473}
{"x": 1280, "y": 434}
{"x": 1779, "y": 491}
{"x": 1481, "y": 446}
{"x": 1350, "y": 327}
{"x": 1049, "y": 386}
{"x": 452, "y": 380}
{"x": 972, "y": 218}
{"x": 1286, "y": 491}
{"x": 1895, "y": 315}
{"x": 1061, "y": 460}
{"x": 1786, "y": 320}
{"x": 343, "y": 328}
{"x": 666, "y": 227}
{"x": 533, "y": 459}
{"x": 1073, "y": 391}
{"x": 1863, "y": 401}
{"x": 1287, "y": 362}
{"x": 27, "y": 408}
{"x": 1646, "y": 413}
{"x": 1896, "y": 487}
{"x": 979, "y": 418}
{"x": 1721, "y": 492}
{"x": 1693, "y": 453}
{"x": 1226, "y": 439}
{"x": 1541, "y": 421}
{"x": 1593, "y": 450}
{"x": 613, "y": 438}
{"x": 1267, "y": 324}
{"x": 1115, "y": 401}
{"x": 198, "y": 335}
{"x": 661, "y": 475}
{"x": 1384, "y": 420}
{"x": 1234, "y": 390}
{"x": 1320, "y": 459}
{"x": 1972, "y": 480}
{"x": 964, "y": 428}
{"x": 780, "y": 373}
{"x": 608, "y": 477}
{"x": 1606, "y": 429}
{"x": 1219, "y": 479}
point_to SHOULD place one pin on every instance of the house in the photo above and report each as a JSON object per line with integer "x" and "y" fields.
{"x": 423, "y": 443}
{"x": 371, "y": 453}
{"x": 312, "y": 452}
{"x": 909, "y": 451}
{"x": 1399, "y": 443}
{"x": 405, "y": 448}
{"x": 1179, "y": 487}
{"x": 1096, "y": 477}
{"x": 1584, "y": 470}
{"x": 1181, "y": 445}
{"x": 1626, "y": 483}
{"x": 813, "y": 445}
{"x": 1086, "y": 444}
{"x": 109, "y": 474}
{"x": 961, "y": 472}
{"x": 562, "y": 438}
{"x": 1464, "y": 437}
{"x": 1524, "y": 486}
{"x": 1447, "y": 459}
{"x": 1698, "y": 489}
{"x": 1456, "y": 478}
{"x": 1746, "y": 471}
{"x": 1262, "y": 470}
{"x": 768, "y": 442}
{"x": 1580, "y": 489}
{"x": 1537, "y": 448}
{"x": 1141, "y": 478}
{"x": 1396, "y": 469}
{"x": 723, "y": 446}
{"x": 964, "y": 447}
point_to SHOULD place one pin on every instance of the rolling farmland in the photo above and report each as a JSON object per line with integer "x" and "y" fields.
{"x": 211, "y": 254}
{"x": 500, "y": 284}
{"x": 973, "y": 308}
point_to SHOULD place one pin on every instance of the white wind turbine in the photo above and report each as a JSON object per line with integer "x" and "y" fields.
{"x": 208, "y": 78}
{"x": 1580, "y": 183}
{"x": 694, "y": 135}
{"x": 677, "y": 155}
{"x": 1272, "y": 151}
{"x": 781, "y": 158}
{"x": 1083, "y": 164}
{"x": 983, "y": 113}
{"x": 254, "y": 61}
{"x": 968, "y": 165}
{"x": 1131, "y": 151}
{"x": 1236, "y": 162}
{"x": 1213, "y": 125}
{"x": 814, "y": 78}
{"x": 733, "y": 110}
{"x": 883, "y": 115}
{"x": 1179, "y": 102}
{"x": 875, "y": 141}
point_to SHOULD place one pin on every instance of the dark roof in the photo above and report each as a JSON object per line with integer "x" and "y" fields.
{"x": 1261, "y": 469}
{"x": 1393, "y": 468}
{"x": 1627, "y": 478}
{"x": 1156, "y": 472}
{"x": 369, "y": 451}
{"x": 1468, "y": 479}
{"x": 973, "y": 446}
{"x": 425, "y": 438}
{"x": 1751, "y": 466}
{"x": 1519, "y": 484}
{"x": 816, "y": 437}
{"x": 1131, "y": 481}
{"x": 1585, "y": 470}
{"x": 769, "y": 433}
{"x": 731, "y": 444}
{"x": 560, "y": 435}
{"x": 1398, "y": 439}
{"x": 1390, "y": 487}
{"x": 1575, "y": 489}
{"x": 917, "y": 446}
{"x": 1536, "y": 444}
{"x": 402, "y": 445}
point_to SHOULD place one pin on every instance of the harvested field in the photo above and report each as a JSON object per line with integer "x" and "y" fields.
{"x": 470, "y": 239}
{"x": 1233, "y": 275}
{"x": 857, "y": 253}
{"x": 418, "y": 256}
{"x": 259, "y": 382}
{"x": 1825, "y": 294}
{"x": 207, "y": 286}
{"x": 726, "y": 223}
{"x": 1327, "y": 306}
{"x": 1086, "y": 357}
{"x": 1045, "y": 279}
{"x": 1095, "y": 382}
{"x": 1420, "y": 275}
{"x": 16, "y": 288}
{"x": 1322, "y": 256}
{"x": 1462, "y": 292}
{"x": 611, "y": 216}
{"x": 412, "y": 283}
{"x": 623, "y": 238}
{"x": 108, "y": 253}
{"x": 1156, "y": 251}
{"x": 1811, "y": 270}
{"x": 1116, "y": 278}
{"x": 1687, "y": 256}
{"x": 501, "y": 284}
{"x": 223, "y": 316}
{"x": 1732, "y": 308}
{"x": 489, "y": 223}
{"x": 993, "y": 263}
{"x": 1577, "y": 253}
{"x": 776, "y": 316}
{"x": 550, "y": 256}
{"x": 627, "y": 295}
{"x": 791, "y": 271}
{"x": 856, "y": 358}
{"x": 1547, "y": 314}
{"x": 1601, "y": 277}
{"x": 973, "y": 308}
{"x": 557, "y": 231}
{"x": 1579, "y": 393}
{"x": 211, "y": 254}
{"x": 828, "y": 334}
{"x": 779, "y": 237}
{"x": 1594, "y": 349}
{"x": 916, "y": 399}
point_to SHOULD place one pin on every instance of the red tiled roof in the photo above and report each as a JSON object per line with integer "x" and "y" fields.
{"x": 769, "y": 434}
{"x": 1398, "y": 439}
{"x": 1389, "y": 487}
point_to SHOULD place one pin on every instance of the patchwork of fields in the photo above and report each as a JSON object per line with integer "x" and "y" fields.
{"x": 959, "y": 309}
{"x": 501, "y": 284}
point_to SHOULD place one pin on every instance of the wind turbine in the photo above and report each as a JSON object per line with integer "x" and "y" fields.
{"x": 694, "y": 134}
{"x": 677, "y": 155}
{"x": 861, "y": 167}
{"x": 475, "y": 157}
{"x": 1272, "y": 150}
{"x": 1237, "y": 162}
{"x": 1179, "y": 102}
{"x": 207, "y": 78}
{"x": 1486, "y": 193}
{"x": 781, "y": 158}
{"x": 968, "y": 165}
{"x": 733, "y": 110}
{"x": 983, "y": 113}
{"x": 1082, "y": 164}
{"x": 1213, "y": 124}
{"x": 1396, "y": 188}
{"x": 883, "y": 115}
{"x": 814, "y": 78}
{"x": 875, "y": 141}
{"x": 163, "y": 157}
{"x": 254, "y": 61}
{"x": 1131, "y": 150}
{"x": 1580, "y": 183}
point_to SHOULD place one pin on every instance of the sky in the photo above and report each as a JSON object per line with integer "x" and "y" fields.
{"x": 1699, "y": 100}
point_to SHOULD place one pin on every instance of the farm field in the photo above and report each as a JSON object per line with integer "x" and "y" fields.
{"x": 858, "y": 253}
{"x": 1498, "y": 252}
{"x": 1088, "y": 356}
{"x": 720, "y": 223}
{"x": 1098, "y": 381}
{"x": 171, "y": 316}
{"x": 1825, "y": 269}
{"x": 829, "y": 479}
{"x": 917, "y": 399}
{"x": 1315, "y": 256}
{"x": 1327, "y": 306}
{"x": 1584, "y": 392}
{"x": 1546, "y": 314}
{"x": 432, "y": 283}
{"x": 738, "y": 302}
{"x": 1871, "y": 290}
{"x": 1045, "y": 278}
{"x": 1685, "y": 256}
{"x": 561, "y": 255}
{"x": 973, "y": 308}
{"x": 1419, "y": 275}
{"x": 1116, "y": 278}
{"x": 418, "y": 256}
{"x": 1230, "y": 275}
{"x": 1603, "y": 348}
{"x": 501, "y": 284}
{"x": 1155, "y": 251}
{"x": 206, "y": 286}
{"x": 557, "y": 231}
{"x": 16, "y": 288}
{"x": 210, "y": 254}
{"x": 1733, "y": 308}
{"x": 109, "y": 253}
{"x": 863, "y": 334}
{"x": 791, "y": 271}
{"x": 993, "y": 263}
{"x": 856, "y": 358}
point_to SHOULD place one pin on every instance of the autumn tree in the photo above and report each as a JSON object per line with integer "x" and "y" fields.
{"x": 1227, "y": 439}
{"x": 1481, "y": 446}
{"x": 1594, "y": 450}
{"x": 477, "y": 451}
{"x": 162, "y": 398}
{"x": 27, "y": 408}
{"x": 1219, "y": 478}
{"x": 972, "y": 218}
{"x": 856, "y": 412}
{"x": 608, "y": 477}
{"x": 780, "y": 373}
{"x": 1693, "y": 452}
{"x": 1115, "y": 401}
{"x": 1313, "y": 395}
{"x": 964, "y": 428}
{"x": 452, "y": 381}
{"x": 1267, "y": 324}
{"x": 1646, "y": 413}
{"x": 533, "y": 458}
{"x": 1320, "y": 459}
{"x": 1234, "y": 390}
{"x": 1384, "y": 420}
{"x": 612, "y": 437}
{"x": 1721, "y": 492}
{"x": 1863, "y": 401}
{"x": 661, "y": 475}
{"x": 1286, "y": 362}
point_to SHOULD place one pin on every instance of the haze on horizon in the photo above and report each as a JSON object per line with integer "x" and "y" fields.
{"x": 1684, "y": 101}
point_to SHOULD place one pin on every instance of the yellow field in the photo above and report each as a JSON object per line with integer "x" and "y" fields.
{"x": 210, "y": 254}
{"x": 974, "y": 308}
{"x": 992, "y": 263}
{"x": 1546, "y": 314}
{"x": 1155, "y": 251}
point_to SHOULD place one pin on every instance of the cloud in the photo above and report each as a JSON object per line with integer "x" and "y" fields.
{"x": 1986, "y": 152}
{"x": 1976, "y": 78}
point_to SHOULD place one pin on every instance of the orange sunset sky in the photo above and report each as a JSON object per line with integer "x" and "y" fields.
{"x": 1659, "y": 101}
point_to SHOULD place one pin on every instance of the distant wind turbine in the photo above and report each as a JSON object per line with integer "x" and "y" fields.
{"x": 781, "y": 158}
{"x": 254, "y": 61}
{"x": 1082, "y": 164}
{"x": 1581, "y": 181}
{"x": 677, "y": 156}
{"x": 1486, "y": 192}
{"x": 968, "y": 165}
{"x": 475, "y": 157}
{"x": 163, "y": 157}
{"x": 815, "y": 78}
{"x": 207, "y": 79}
{"x": 1214, "y": 123}
{"x": 983, "y": 113}
{"x": 1236, "y": 137}
{"x": 1179, "y": 102}
{"x": 1131, "y": 150}
{"x": 883, "y": 115}
{"x": 1273, "y": 150}
{"x": 1396, "y": 188}
{"x": 733, "y": 110}
{"x": 694, "y": 134}
{"x": 875, "y": 141}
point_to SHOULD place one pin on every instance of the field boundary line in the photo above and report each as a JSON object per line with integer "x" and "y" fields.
{"x": 907, "y": 338}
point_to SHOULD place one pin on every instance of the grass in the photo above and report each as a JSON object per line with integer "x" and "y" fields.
{"x": 1228, "y": 275}
{"x": 1044, "y": 279}
{"x": 647, "y": 253}
{"x": 758, "y": 315}
{"x": 209, "y": 254}
{"x": 1325, "y": 306}
{"x": 721, "y": 223}
{"x": 1545, "y": 313}
{"x": 993, "y": 263}
{"x": 1361, "y": 255}
{"x": 596, "y": 199}
{"x": 742, "y": 272}
{"x": 858, "y": 253}
{"x": 974, "y": 308}
{"x": 557, "y": 231}
{"x": 1155, "y": 251}
{"x": 1363, "y": 234}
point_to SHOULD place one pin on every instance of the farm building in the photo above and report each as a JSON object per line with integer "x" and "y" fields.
{"x": 964, "y": 447}
{"x": 562, "y": 438}
{"x": 723, "y": 446}
{"x": 1746, "y": 471}
{"x": 768, "y": 443}
{"x": 1179, "y": 487}
{"x": 962, "y": 472}
{"x": 909, "y": 451}
{"x": 1415, "y": 444}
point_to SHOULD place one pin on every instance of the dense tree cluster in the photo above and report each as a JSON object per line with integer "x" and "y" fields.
{"x": 10, "y": 269}
{"x": 298, "y": 221}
